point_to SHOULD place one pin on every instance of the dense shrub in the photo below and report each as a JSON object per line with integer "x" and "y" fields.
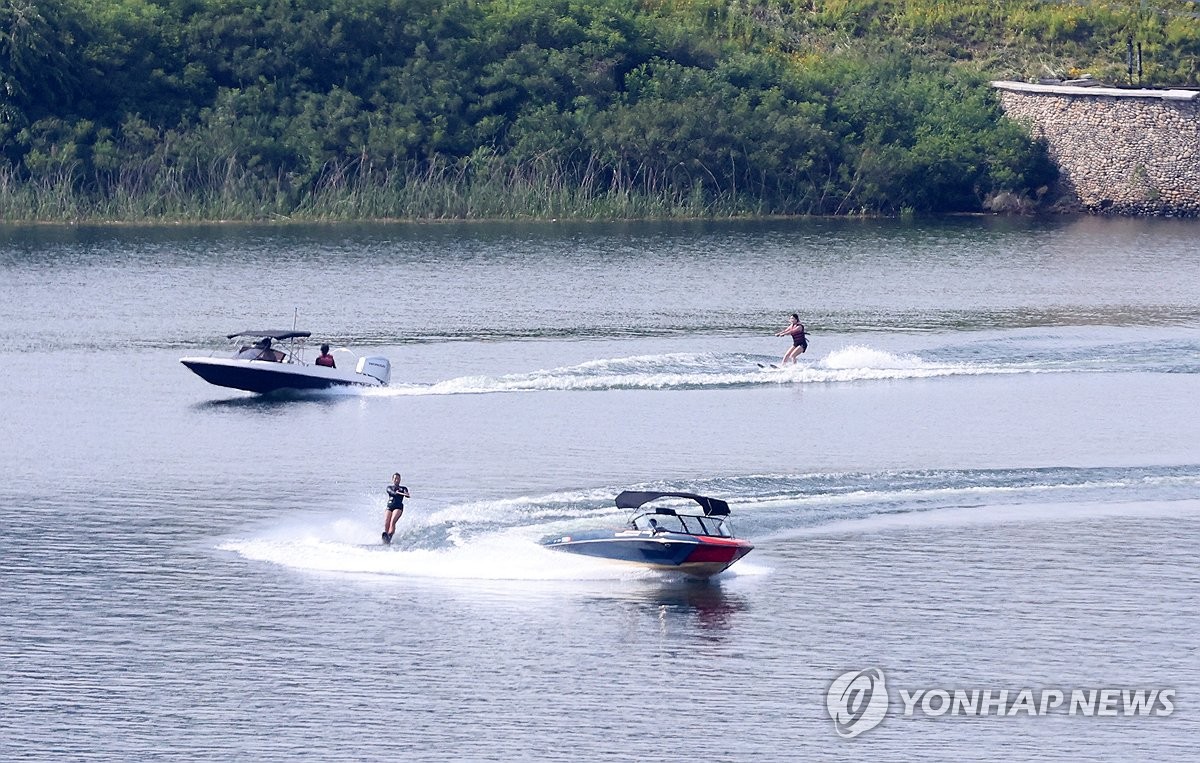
{"x": 427, "y": 108}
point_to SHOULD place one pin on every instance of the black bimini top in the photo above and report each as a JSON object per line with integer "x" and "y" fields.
{"x": 633, "y": 499}
{"x": 278, "y": 336}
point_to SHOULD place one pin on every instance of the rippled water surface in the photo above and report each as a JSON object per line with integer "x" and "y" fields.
{"x": 985, "y": 473}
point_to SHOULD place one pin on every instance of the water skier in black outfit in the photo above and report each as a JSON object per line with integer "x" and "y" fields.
{"x": 395, "y": 507}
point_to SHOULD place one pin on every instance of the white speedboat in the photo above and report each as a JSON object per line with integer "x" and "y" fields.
{"x": 268, "y": 361}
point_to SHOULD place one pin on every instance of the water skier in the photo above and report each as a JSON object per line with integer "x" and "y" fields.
{"x": 795, "y": 330}
{"x": 395, "y": 507}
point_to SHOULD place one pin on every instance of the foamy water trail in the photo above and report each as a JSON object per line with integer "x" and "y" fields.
{"x": 705, "y": 370}
{"x": 474, "y": 540}
{"x": 501, "y": 556}
{"x": 1005, "y": 356}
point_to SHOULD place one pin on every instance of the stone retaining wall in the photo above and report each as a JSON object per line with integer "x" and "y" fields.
{"x": 1126, "y": 152}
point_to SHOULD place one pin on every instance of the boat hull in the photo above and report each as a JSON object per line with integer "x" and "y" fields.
{"x": 265, "y": 377}
{"x": 698, "y": 556}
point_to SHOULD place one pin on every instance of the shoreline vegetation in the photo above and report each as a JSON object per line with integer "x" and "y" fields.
{"x": 358, "y": 110}
{"x": 492, "y": 193}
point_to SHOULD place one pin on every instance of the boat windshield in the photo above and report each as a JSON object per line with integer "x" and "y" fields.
{"x": 266, "y": 348}
{"x": 690, "y": 524}
{"x": 259, "y": 351}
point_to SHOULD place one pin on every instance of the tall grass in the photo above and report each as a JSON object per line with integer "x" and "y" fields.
{"x": 484, "y": 187}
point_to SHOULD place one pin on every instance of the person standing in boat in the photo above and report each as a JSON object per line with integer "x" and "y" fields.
{"x": 395, "y": 507}
{"x": 795, "y": 330}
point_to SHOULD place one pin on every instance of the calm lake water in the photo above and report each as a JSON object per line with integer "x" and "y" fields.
{"x": 984, "y": 474}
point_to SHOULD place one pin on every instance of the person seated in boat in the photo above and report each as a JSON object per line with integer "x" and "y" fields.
{"x": 325, "y": 359}
{"x": 655, "y": 529}
{"x": 265, "y": 352}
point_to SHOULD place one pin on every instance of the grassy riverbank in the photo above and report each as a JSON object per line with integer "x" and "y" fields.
{"x": 441, "y": 196}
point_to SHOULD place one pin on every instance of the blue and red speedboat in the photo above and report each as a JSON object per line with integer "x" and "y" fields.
{"x": 695, "y": 542}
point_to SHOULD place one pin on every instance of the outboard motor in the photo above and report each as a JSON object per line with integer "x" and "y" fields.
{"x": 377, "y": 367}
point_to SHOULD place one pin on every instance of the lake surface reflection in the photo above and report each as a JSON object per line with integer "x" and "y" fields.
{"x": 984, "y": 473}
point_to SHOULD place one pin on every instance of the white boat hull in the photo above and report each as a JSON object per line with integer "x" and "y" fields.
{"x": 263, "y": 376}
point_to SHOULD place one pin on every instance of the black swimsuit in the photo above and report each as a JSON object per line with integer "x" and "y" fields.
{"x": 800, "y": 340}
{"x": 396, "y": 497}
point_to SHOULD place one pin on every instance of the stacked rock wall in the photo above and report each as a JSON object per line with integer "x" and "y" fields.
{"x": 1125, "y": 152}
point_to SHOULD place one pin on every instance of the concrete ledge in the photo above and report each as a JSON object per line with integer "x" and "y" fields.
{"x": 1119, "y": 152}
{"x": 1115, "y": 92}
